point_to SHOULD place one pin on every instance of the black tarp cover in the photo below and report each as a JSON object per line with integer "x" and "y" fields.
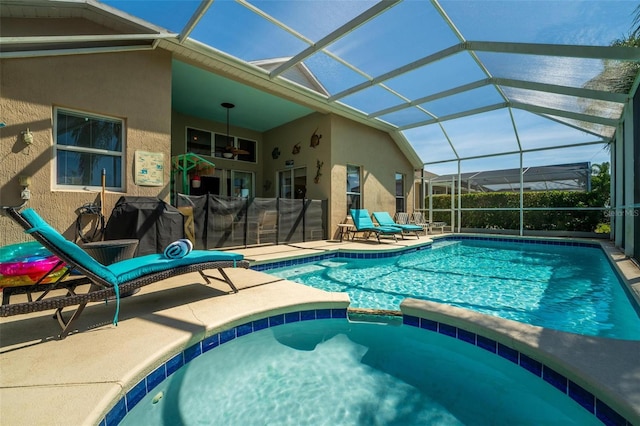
{"x": 148, "y": 219}
{"x": 222, "y": 221}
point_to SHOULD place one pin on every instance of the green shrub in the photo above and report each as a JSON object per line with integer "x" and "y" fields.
{"x": 549, "y": 220}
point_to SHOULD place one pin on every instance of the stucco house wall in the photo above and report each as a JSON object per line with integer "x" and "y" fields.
{"x": 379, "y": 159}
{"x": 343, "y": 142}
{"x": 133, "y": 86}
{"x": 299, "y": 132}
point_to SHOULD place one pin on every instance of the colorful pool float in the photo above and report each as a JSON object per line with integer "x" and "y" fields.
{"x": 25, "y": 263}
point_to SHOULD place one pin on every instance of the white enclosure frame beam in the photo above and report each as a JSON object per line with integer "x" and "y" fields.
{"x": 629, "y": 181}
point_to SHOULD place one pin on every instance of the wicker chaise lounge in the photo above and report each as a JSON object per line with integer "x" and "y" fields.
{"x": 106, "y": 281}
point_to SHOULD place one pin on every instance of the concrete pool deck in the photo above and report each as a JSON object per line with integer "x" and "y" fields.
{"x": 77, "y": 380}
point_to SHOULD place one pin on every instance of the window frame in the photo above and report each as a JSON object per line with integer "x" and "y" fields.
{"x": 353, "y": 193}
{"x": 77, "y": 149}
{"x": 237, "y": 142}
{"x": 399, "y": 178}
{"x": 218, "y": 142}
{"x": 187, "y": 130}
{"x": 291, "y": 184}
{"x": 233, "y": 176}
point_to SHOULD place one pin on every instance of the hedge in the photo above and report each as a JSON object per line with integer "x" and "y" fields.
{"x": 553, "y": 220}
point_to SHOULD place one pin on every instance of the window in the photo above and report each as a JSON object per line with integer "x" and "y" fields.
{"x": 234, "y": 148}
{"x": 247, "y": 150}
{"x": 292, "y": 183}
{"x": 198, "y": 141}
{"x": 241, "y": 184}
{"x": 400, "y": 206}
{"x": 85, "y": 145}
{"x": 221, "y": 145}
{"x": 353, "y": 187}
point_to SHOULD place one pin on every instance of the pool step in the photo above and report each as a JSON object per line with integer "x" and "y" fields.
{"x": 443, "y": 244}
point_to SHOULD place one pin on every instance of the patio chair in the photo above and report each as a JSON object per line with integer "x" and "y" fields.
{"x": 419, "y": 219}
{"x": 385, "y": 219}
{"x": 268, "y": 223}
{"x": 363, "y": 223}
{"x": 106, "y": 281}
{"x": 402, "y": 218}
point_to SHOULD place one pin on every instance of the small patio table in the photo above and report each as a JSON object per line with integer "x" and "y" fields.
{"x": 112, "y": 251}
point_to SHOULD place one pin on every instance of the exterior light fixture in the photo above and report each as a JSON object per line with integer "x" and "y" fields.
{"x": 27, "y": 137}
{"x": 25, "y": 182}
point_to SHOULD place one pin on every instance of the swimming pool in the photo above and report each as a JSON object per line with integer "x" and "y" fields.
{"x": 334, "y": 371}
{"x": 562, "y": 287}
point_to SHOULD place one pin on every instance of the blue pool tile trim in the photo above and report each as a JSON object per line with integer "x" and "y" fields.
{"x": 586, "y": 399}
{"x": 244, "y": 329}
{"x": 334, "y": 255}
{"x": 210, "y": 343}
{"x": 508, "y": 353}
{"x": 136, "y": 394}
{"x": 292, "y": 317}
{"x": 156, "y": 377}
{"x": 261, "y": 324}
{"x": 608, "y": 415}
{"x": 555, "y": 379}
{"x": 397, "y": 252}
{"x": 467, "y": 336}
{"x": 487, "y": 344}
{"x": 307, "y": 315}
{"x": 448, "y": 330}
{"x": 522, "y": 240}
{"x": 531, "y": 365}
{"x": 175, "y": 363}
{"x": 582, "y": 397}
{"x": 149, "y": 383}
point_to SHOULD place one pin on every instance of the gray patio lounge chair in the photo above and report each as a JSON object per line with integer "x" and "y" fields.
{"x": 106, "y": 281}
{"x": 402, "y": 218}
{"x": 419, "y": 219}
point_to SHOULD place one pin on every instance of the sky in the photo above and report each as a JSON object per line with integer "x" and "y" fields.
{"x": 412, "y": 30}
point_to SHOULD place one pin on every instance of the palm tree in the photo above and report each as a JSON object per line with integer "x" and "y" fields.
{"x": 617, "y": 76}
{"x": 601, "y": 181}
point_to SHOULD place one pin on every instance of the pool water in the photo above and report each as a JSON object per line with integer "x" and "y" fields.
{"x": 566, "y": 288}
{"x": 334, "y": 372}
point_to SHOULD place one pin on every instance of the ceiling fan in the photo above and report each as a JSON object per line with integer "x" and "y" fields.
{"x": 235, "y": 151}
{"x": 231, "y": 151}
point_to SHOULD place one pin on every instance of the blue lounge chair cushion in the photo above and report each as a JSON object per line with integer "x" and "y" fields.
{"x": 130, "y": 269}
{"x": 363, "y": 222}
{"x": 385, "y": 219}
{"x": 125, "y": 270}
{"x": 72, "y": 250}
{"x": 119, "y": 272}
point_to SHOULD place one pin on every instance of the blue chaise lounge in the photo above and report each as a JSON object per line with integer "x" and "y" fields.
{"x": 363, "y": 223}
{"x": 106, "y": 281}
{"x": 385, "y": 219}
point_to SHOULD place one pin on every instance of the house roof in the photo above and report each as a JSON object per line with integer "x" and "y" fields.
{"x": 560, "y": 177}
{"x": 449, "y": 80}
